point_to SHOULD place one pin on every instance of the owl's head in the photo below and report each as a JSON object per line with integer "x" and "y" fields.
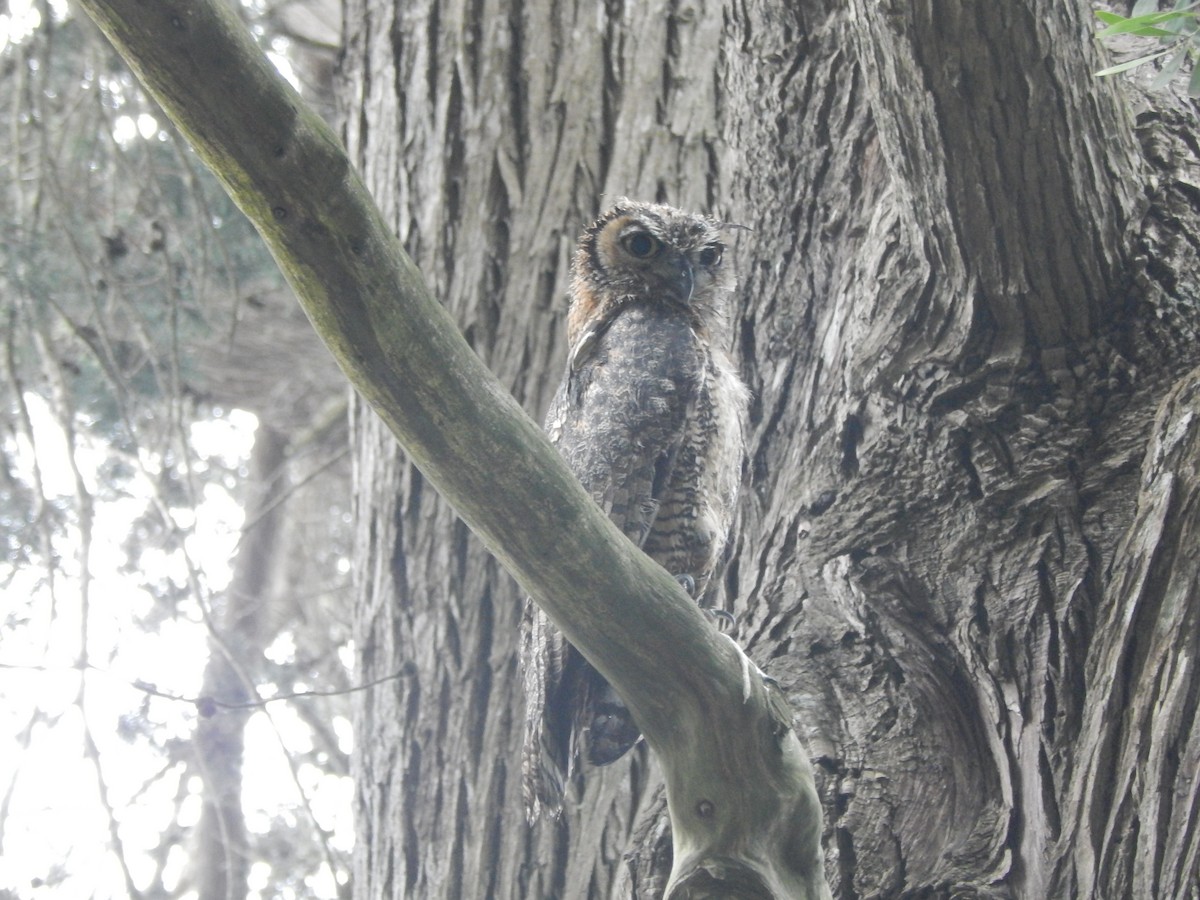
{"x": 649, "y": 252}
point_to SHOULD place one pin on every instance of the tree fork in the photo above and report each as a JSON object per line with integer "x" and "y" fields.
{"x": 744, "y": 811}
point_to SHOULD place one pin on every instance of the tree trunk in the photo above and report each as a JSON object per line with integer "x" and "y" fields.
{"x": 965, "y": 541}
{"x": 221, "y": 857}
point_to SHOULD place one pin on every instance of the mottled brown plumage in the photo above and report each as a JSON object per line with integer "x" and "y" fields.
{"x": 649, "y": 416}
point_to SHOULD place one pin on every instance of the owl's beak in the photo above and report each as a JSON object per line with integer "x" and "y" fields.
{"x": 681, "y": 270}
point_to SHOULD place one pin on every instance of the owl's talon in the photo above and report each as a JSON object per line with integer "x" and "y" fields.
{"x": 725, "y": 621}
{"x": 688, "y": 583}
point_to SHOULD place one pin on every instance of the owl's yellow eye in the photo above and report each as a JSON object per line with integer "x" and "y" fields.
{"x": 711, "y": 256}
{"x": 641, "y": 245}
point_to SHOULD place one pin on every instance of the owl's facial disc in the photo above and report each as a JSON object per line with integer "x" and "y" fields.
{"x": 636, "y": 255}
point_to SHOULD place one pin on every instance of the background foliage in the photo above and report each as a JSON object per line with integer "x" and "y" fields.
{"x": 150, "y": 355}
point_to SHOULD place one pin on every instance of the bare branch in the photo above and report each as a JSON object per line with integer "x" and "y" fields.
{"x": 740, "y": 787}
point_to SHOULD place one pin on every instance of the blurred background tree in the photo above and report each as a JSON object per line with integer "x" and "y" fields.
{"x": 174, "y": 500}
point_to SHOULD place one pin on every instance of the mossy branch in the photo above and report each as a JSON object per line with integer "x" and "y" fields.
{"x": 743, "y": 808}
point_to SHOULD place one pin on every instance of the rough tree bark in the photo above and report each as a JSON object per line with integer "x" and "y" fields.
{"x": 965, "y": 295}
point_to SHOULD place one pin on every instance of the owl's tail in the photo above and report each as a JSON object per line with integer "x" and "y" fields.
{"x": 570, "y": 711}
{"x": 546, "y": 752}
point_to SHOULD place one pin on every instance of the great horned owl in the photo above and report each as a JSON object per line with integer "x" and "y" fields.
{"x": 649, "y": 417}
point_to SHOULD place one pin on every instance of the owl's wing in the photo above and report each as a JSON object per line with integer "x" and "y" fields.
{"x": 619, "y": 420}
{"x": 546, "y": 748}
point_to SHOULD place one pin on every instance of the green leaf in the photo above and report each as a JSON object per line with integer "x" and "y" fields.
{"x": 1129, "y": 64}
{"x": 1172, "y": 19}
{"x": 1187, "y": 25}
{"x": 1134, "y": 26}
{"x": 1194, "y": 83}
{"x": 1166, "y": 15}
{"x": 1182, "y": 22}
{"x": 1169, "y": 70}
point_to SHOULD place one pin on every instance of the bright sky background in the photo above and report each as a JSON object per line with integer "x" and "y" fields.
{"x": 55, "y": 819}
{"x": 55, "y": 816}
